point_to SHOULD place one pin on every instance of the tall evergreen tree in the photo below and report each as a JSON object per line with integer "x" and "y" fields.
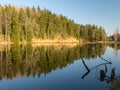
{"x": 15, "y": 28}
{"x": 24, "y": 24}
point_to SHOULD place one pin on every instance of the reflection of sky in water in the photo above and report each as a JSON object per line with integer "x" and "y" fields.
{"x": 68, "y": 78}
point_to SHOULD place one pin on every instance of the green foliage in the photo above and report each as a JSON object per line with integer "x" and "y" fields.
{"x": 15, "y": 28}
{"x": 25, "y": 23}
{"x": 29, "y": 35}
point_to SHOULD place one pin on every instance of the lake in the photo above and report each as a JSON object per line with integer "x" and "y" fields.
{"x": 59, "y": 67}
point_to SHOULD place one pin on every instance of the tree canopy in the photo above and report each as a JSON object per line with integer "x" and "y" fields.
{"x": 24, "y": 24}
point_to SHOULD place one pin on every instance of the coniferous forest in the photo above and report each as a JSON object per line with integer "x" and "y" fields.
{"x": 18, "y": 24}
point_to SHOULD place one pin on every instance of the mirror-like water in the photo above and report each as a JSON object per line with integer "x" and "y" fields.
{"x": 80, "y": 67}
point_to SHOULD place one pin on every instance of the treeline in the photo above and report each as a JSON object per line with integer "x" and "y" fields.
{"x": 28, "y": 61}
{"x": 115, "y": 37}
{"x": 24, "y": 24}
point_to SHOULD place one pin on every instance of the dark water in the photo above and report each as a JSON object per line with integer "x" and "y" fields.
{"x": 82, "y": 67}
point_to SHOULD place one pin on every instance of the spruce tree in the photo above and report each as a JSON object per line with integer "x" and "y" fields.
{"x": 15, "y": 28}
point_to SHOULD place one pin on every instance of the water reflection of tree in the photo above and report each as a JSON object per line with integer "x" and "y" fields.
{"x": 25, "y": 60}
{"x": 116, "y": 47}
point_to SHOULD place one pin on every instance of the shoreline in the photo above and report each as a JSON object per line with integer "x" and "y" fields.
{"x": 61, "y": 42}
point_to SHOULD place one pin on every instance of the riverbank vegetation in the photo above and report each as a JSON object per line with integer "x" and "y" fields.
{"x": 24, "y": 24}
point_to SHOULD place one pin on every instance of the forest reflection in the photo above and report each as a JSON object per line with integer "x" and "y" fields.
{"x": 25, "y": 60}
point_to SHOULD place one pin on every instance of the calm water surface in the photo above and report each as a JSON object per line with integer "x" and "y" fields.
{"x": 77, "y": 67}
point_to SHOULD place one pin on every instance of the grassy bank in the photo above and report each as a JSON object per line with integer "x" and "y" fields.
{"x": 69, "y": 40}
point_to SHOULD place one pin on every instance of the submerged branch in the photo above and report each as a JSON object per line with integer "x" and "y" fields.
{"x": 88, "y": 70}
{"x": 105, "y": 60}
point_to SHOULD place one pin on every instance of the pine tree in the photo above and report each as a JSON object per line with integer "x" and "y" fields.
{"x": 20, "y": 24}
{"x": 15, "y": 28}
{"x": 29, "y": 34}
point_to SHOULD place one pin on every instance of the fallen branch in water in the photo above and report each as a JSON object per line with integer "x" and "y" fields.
{"x": 105, "y": 60}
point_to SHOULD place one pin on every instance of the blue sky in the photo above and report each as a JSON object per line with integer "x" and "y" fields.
{"x": 105, "y": 13}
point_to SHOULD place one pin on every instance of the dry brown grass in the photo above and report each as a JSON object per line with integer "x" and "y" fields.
{"x": 70, "y": 39}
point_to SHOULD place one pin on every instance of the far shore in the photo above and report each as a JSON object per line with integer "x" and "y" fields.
{"x": 62, "y": 42}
